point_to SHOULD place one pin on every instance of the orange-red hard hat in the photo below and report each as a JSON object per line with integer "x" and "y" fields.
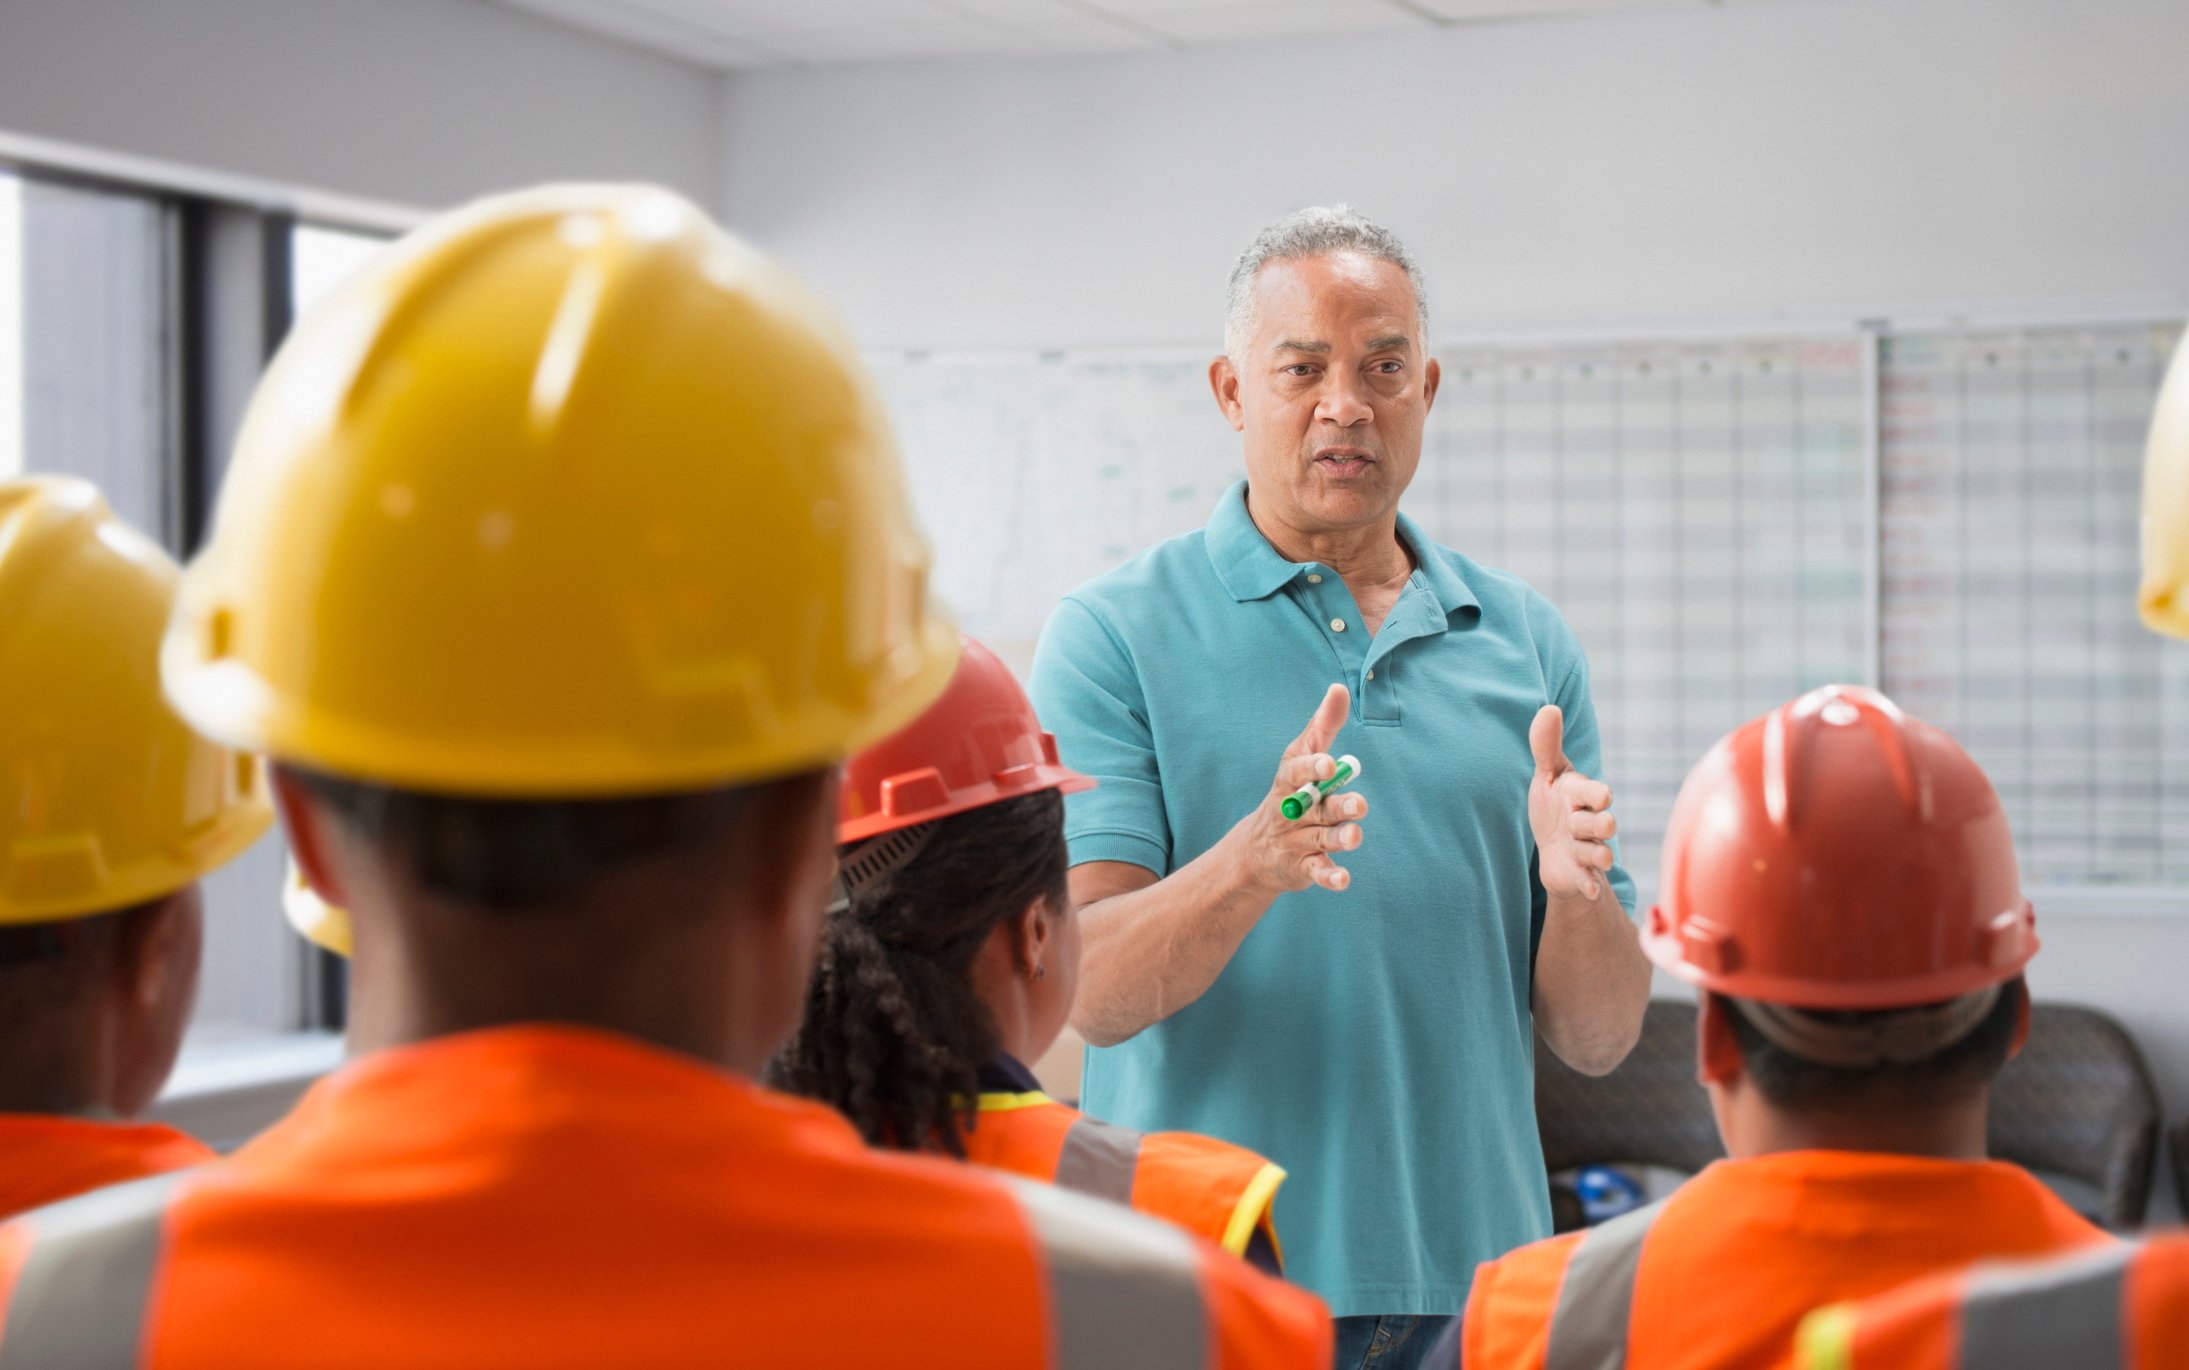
{"x": 1838, "y": 854}
{"x": 979, "y": 744}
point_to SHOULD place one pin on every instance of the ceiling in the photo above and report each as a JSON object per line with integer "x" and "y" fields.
{"x": 771, "y": 33}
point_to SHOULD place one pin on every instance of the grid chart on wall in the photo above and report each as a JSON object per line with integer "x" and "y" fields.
{"x": 1700, "y": 511}
{"x": 2012, "y": 465}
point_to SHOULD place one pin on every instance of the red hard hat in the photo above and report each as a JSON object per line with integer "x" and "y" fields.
{"x": 1838, "y": 854}
{"x": 979, "y": 744}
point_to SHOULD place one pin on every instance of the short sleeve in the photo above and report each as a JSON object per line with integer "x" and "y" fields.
{"x": 1088, "y": 692}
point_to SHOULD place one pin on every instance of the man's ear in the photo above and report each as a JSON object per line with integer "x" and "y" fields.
{"x": 305, "y": 825}
{"x": 788, "y": 837}
{"x": 1717, "y": 1050}
{"x": 159, "y": 943}
{"x": 2021, "y": 1019}
{"x": 1432, "y": 376}
{"x": 1224, "y": 383}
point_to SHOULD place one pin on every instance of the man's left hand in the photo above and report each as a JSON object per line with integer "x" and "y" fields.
{"x": 1568, "y": 812}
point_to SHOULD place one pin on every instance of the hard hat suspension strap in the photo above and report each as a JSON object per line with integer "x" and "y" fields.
{"x": 1892, "y": 1038}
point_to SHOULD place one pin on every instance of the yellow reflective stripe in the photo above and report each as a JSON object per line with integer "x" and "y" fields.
{"x": 1254, "y": 1201}
{"x": 1826, "y": 1340}
{"x": 1005, "y": 1103}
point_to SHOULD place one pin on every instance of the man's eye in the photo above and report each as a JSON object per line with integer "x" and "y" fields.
{"x": 1390, "y": 368}
{"x": 1299, "y": 369}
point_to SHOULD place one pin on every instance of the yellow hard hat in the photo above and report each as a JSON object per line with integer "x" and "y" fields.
{"x": 2164, "y": 599}
{"x": 567, "y": 494}
{"x": 107, "y": 799}
{"x": 321, "y": 923}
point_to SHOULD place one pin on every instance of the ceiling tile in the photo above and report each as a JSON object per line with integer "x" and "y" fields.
{"x": 1487, "y": 10}
{"x": 936, "y": 36}
{"x": 1219, "y": 21}
{"x": 1055, "y": 26}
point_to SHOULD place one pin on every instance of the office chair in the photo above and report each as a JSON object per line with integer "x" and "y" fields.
{"x": 2079, "y": 1102}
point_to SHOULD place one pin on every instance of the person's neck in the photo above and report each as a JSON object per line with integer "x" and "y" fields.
{"x": 1365, "y": 557}
{"x": 39, "y": 1075}
{"x": 1951, "y": 1132}
{"x": 685, "y": 986}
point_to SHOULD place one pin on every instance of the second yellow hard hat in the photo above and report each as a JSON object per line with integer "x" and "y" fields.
{"x": 107, "y": 799}
{"x": 2164, "y": 598}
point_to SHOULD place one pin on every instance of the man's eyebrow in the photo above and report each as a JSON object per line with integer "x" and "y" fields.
{"x": 1389, "y": 340}
{"x": 1317, "y": 348}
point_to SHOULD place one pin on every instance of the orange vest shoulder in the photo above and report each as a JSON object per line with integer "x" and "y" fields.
{"x": 1215, "y": 1190}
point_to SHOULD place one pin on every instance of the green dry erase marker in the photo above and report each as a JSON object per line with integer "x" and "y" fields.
{"x": 1303, "y": 798}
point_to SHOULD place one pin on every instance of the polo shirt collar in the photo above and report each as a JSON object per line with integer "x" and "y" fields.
{"x": 1437, "y": 571}
{"x": 1250, "y": 568}
{"x": 1245, "y": 562}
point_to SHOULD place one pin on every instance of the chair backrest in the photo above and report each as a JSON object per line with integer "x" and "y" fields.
{"x": 2079, "y": 1102}
{"x": 1650, "y": 1111}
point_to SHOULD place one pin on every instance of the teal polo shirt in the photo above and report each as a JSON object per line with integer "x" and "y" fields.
{"x": 1376, "y": 1043}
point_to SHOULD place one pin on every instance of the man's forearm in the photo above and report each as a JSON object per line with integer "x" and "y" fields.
{"x": 1591, "y": 981}
{"x": 1149, "y": 952}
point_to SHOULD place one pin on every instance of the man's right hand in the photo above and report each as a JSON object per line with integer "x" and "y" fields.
{"x": 1276, "y": 854}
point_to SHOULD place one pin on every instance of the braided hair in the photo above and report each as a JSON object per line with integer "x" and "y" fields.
{"x": 894, "y": 1036}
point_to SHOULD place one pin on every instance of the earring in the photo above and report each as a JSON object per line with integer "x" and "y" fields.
{"x": 1040, "y": 971}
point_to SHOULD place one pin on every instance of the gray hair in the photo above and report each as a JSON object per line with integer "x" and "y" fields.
{"x": 1313, "y": 232}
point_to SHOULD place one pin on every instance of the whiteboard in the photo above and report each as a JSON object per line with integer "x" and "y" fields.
{"x": 2014, "y": 476}
{"x": 1702, "y": 511}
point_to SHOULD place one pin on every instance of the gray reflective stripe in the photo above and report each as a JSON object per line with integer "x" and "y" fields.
{"x": 2040, "y": 1317}
{"x": 80, "y": 1301}
{"x": 1596, "y": 1298}
{"x": 1099, "y": 1159}
{"x": 1124, "y": 1290}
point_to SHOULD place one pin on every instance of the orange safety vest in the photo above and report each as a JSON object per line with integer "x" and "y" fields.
{"x": 1219, "y": 1192}
{"x": 2123, "y": 1307}
{"x": 557, "y": 1198}
{"x": 1720, "y": 1274}
{"x": 45, "y": 1158}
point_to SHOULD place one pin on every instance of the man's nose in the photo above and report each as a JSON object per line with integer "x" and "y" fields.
{"x": 1344, "y": 402}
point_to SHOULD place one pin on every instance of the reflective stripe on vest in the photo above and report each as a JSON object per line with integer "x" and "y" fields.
{"x": 1099, "y": 1159}
{"x": 2022, "y": 1317}
{"x": 80, "y": 1299}
{"x": 1596, "y": 1297}
{"x": 1123, "y": 1290}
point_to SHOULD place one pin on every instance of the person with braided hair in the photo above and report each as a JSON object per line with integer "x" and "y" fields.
{"x": 950, "y": 957}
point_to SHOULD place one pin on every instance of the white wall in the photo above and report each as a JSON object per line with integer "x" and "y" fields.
{"x": 1770, "y": 158}
{"x": 422, "y": 102}
{"x": 1766, "y": 156}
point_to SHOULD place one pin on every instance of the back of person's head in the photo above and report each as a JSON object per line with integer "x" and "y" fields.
{"x": 1840, "y": 880}
{"x": 1876, "y": 1062}
{"x": 563, "y": 543}
{"x": 950, "y": 896}
{"x": 895, "y": 1031}
{"x": 111, "y": 809}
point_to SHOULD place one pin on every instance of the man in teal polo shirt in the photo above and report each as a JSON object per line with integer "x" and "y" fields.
{"x": 1366, "y": 1025}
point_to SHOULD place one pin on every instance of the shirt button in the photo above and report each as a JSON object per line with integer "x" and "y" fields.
{"x": 1371, "y": 675}
{"x": 1337, "y": 625}
{"x": 1313, "y": 579}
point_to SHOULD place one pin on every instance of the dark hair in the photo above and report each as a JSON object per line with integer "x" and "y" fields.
{"x": 893, "y": 1036}
{"x": 1796, "y": 1083}
{"x": 511, "y": 853}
